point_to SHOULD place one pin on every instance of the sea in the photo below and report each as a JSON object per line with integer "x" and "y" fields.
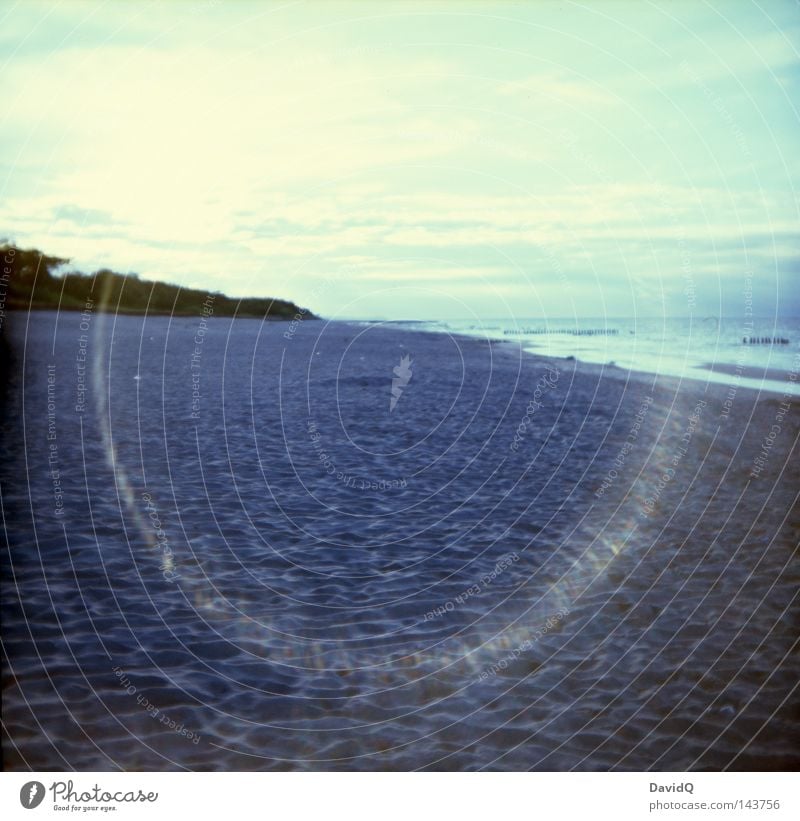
{"x": 761, "y": 353}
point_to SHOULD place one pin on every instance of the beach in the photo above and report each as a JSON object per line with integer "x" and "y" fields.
{"x": 329, "y": 546}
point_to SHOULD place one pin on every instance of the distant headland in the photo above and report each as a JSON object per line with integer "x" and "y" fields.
{"x": 28, "y": 282}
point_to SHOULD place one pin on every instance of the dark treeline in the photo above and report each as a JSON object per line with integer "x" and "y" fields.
{"x": 29, "y": 280}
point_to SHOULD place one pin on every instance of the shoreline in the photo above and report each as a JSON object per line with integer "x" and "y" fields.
{"x": 741, "y": 378}
{"x": 616, "y": 372}
{"x": 732, "y": 374}
{"x": 102, "y": 309}
{"x": 749, "y": 371}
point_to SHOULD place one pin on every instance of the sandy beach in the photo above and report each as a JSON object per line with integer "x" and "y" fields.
{"x": 354, "y": 547}
{"x": 753, "y": 372}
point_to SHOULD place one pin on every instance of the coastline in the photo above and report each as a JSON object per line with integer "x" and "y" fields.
{"x": 104, "y": 309}
{"x": 742, "y": 379}
{"x": 750, "y": 372}
{"x": 698, "y": 353}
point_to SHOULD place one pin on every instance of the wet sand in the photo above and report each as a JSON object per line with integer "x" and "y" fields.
{"x": 752, "y": 372}
{"x": 525, "y": 564}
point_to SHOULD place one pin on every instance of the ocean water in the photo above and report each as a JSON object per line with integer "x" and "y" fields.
{"x": 670, "y": 346}
{"x": 245, "y": 545}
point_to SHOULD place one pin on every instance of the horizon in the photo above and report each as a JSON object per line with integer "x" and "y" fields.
{"x": 67, "y": 268}
{"x": 606, "y": 160}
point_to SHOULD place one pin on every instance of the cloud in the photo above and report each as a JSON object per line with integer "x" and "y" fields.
{"x": 262, "y": 147}
{"x": 551, "y": 87}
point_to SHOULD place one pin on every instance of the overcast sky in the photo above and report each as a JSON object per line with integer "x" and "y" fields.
{"x": 401, "y": 160}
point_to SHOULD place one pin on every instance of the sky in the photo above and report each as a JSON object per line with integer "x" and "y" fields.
{"x": 414, "y": 160}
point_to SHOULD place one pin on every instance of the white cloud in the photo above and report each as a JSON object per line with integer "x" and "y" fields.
{"x": 552, "y": 87}
{"x": 259, "y": 147}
